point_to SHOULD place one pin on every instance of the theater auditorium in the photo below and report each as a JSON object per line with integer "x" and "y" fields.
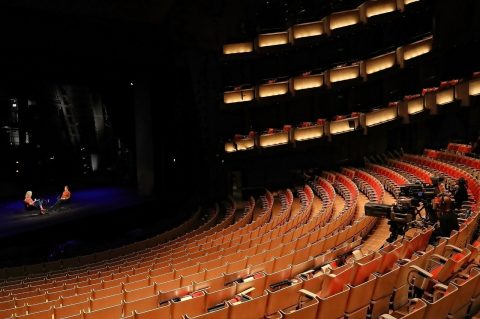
{"x": 248, "y": 159}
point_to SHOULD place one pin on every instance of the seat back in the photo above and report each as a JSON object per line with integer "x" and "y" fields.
{"x": 335, "y": 283}
{"x": 192, "y": 307}
{"x": 141, "y": 305}
{"x": 304, "y": 310}
{"x": 440, "y": 307}
{"x": 105, "y": 313}
{"x": 466, "y": 290}
{"x": 391, "y": 254}
{"x": 70, "y": 310}
{"x": 363, "y": 270}
{"x": 283, "y": 298}
{"x": 160, "y": 312}
{"x": 46, "y": 314}
{"x": 221, "y": 313}
{"x": 254, "y": 308}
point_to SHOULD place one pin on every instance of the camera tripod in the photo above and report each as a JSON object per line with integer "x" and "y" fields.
{"x": 398, "y": 228}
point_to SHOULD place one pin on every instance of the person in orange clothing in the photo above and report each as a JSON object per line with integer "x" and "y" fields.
{"x": 65, "y": 197}
{"x": 31, "y": 203}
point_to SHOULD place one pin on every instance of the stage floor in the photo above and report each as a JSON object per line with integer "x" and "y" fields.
{"x": 16, "y": 220}
{"x": 96, "y": 219}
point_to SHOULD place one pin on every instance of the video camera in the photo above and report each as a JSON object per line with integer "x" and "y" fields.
{"x": 418, "y": 193}
{"x": 403, "y": 214}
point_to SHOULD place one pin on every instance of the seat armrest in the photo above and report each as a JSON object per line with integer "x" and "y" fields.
{"x": 308, "y": 294}
{"x": 403, "y": 261}
{"x": 438, "y": 258}
{"x": 439, "y": 291}
{"x": 462, "y": 276}
{"x": 454, "y": 248}
{"x": 422, "y": 272}
{"x": 386, "y": 316}
{"x": 440, "y": 287}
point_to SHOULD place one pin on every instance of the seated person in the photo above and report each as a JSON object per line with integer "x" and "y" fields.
{"x": 446, "y": 216}
{"x": 461, "y": 193}
{"x": 31, "y": 203}
{"x": 62, "y": 199}
{"x": 440, "y": 192}
{"x": 441, "y": 188}
{"x": 476, "y": 146}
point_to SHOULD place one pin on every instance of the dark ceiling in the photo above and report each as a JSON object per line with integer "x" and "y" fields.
{"x": 104, "y": 38}
{"x": 135, "y": 31}
{"x": 144, "y": 11}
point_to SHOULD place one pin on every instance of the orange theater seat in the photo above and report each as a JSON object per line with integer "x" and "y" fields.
{"x": 305, "y": 124}
{"x": 237, "y": 137}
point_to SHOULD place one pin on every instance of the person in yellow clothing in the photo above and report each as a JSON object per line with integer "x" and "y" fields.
{"x": 62, "y": 199}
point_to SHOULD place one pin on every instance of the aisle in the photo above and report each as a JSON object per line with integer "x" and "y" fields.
{"x": 381, "y": 232}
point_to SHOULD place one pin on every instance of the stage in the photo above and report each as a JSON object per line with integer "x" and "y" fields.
{"x": 15, "y": 219}
{"x": 95, "y": 219}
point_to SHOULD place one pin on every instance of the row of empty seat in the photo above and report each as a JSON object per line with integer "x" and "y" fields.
{"x": 459, "y": 148}
{"x": 287, "y": 265}
{"x": 472, "y": 165}
{"x": 308, "y": 196}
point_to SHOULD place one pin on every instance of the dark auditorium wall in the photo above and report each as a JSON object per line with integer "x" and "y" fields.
{"x": 456, "y": 28}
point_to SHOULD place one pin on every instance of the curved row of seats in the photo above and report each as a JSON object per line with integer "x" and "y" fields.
{"x": 349, "y": 191}
{"x": 459, "y": 148}
{"x": 422, "y": 175}
{"x": 286, "y": 202}
{"x": 325, "y": 191}
{"x": 192, "y": 236}
{"x": 205, "y": 238}
{"x": 449, "y": 170}
{"x": 472, "y": 165}
{"x": 307, "y": 196}
{"x": 391, "y": 179}
{"x": 455, "y": 275}
{"x": 188, "y": 229}
{"x": 30, "y": 286}
{"x": 351, "y": 290}
{"x": 369, "y": 185}
{"x": 444, "y": 305}
{"x": 280, "y": 257}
